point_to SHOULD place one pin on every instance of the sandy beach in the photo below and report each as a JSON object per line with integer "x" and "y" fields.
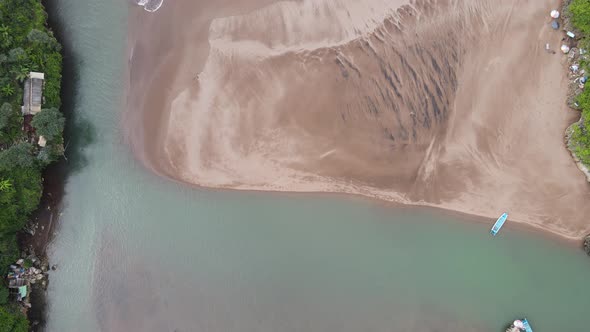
{"x": 446, "y": 103}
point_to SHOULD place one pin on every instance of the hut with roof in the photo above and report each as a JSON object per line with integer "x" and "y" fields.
{"x": 33, "y": 93}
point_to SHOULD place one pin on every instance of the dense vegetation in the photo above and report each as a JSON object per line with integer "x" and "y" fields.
{"x": 580, "y": 18}
{"x": 26, "y": 44}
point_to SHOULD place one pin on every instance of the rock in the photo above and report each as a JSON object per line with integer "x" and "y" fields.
{"x": 20, "y": 262}
{"x": 54, "y": 267}
{"x": 572, "y": 53}
{"x": 587, "y": 245}
{"x": 32, "y": 281}
{"x": 39, "y": 277}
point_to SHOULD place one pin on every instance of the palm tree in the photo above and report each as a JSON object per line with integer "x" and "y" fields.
{"x": 5, "y": 185}
{"x": 5, "y": 33}
{"x": 22, "y": 73}
{"x": 4, "y": 30}
{"x": 8, "y": 90}
{"x": 37, "y": 61}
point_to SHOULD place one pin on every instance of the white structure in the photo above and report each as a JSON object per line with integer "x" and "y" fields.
{"x": 42, "y": 141}
{"x": 33, "y": 96}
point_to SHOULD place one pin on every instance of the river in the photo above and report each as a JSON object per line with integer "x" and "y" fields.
{"x": 140, "y": 253}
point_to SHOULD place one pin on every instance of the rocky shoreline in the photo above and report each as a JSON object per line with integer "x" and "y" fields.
{"x": 33, "y": 241}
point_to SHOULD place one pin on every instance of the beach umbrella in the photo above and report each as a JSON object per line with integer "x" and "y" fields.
{"x": 565, "y": 49}
{"x": 554, "y": 13}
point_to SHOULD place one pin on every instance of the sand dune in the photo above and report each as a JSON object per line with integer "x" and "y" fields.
{"x": 449, "y": 103}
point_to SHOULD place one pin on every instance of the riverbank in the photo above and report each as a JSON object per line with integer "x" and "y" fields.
{"x": 575, "y": 18}
{"x": 45, "y": 221}
{"x": 47, "y": 215}
{"x": 31, "y": 141}
{"x": 467, "y": 149}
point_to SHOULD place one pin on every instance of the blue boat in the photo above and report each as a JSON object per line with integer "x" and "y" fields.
{"x": 499, "y": 223}
{"x": 520, "y": 325}
{"x": 527, "y": 326}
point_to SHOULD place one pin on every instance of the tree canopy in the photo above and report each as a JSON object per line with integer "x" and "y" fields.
{"x": 26, "y": 44}
{"x": 18, "y": 155}
{"x": 49, "y": 123}
{"x": 11, "y": 320}
{"x": 10, "y": 123}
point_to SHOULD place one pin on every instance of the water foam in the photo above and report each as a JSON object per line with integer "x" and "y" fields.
{"x": 150, "y": 5}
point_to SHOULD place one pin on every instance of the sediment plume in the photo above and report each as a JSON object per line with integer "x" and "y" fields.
{"x": 448, "y": 103}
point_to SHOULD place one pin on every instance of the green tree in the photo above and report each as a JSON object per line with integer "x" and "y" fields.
{"x": 4, "y": 31}
{"x": 5, "y": 35}
{"x": 12, "y": 320}
{"x": 10, "y": 123}
{"x": 21, "y": 73}
{"x": 38, "y": 36}
{"x": 17, "y": 55}
{"x": 3, "y": 295}
{"x": 5, "y": 185}
{"x": 8, "y": 90}
{"x": 9, "y": 211}
{"x": 19, "y": 155}
{"x": 49, "y": 123}
{"x": 45, "y": 155}
{"x": 6, "y": 115}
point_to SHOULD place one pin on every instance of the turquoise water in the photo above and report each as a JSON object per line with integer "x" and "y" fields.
{"x": 140, "y": 253}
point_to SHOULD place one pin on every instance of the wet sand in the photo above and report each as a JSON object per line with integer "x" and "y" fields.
{"x": 451, "y": 104}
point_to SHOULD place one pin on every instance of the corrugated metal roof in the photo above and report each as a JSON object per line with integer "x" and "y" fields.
{"x": 33, "y": 93}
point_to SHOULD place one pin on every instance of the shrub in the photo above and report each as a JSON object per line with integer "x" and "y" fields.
{"x": 3, "y": 295}
{"x": 10, "y": 123}
{"x": 12, "y": 320}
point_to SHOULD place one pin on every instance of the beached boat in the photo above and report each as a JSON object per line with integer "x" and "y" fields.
{"x": 499, "y": 223}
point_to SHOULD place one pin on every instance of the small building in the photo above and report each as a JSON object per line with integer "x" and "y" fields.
{"x": 42, "y": 141}
{"x": 33, "y": 93}
{"x": 17, "y": 289}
